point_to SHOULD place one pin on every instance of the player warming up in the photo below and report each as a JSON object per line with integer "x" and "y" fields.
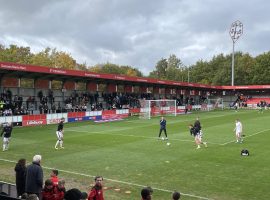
{"x": 162, "y": 123}
{"x": 60, "y": 134}
{"x": 238, "y": 131}
{"x": 199, "y": 133}
{"x": 6, "y": 133}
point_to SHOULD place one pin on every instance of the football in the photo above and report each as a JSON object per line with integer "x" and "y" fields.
{"x": 168, "y": 144}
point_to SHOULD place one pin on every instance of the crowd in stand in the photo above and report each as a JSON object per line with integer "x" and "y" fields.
{"x": 79, "y": 101}
{"x": 9, "y": 106}
{"x": 29, "y": 185}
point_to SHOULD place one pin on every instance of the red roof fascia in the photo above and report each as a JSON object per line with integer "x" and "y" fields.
{"x": 68, "y": 72}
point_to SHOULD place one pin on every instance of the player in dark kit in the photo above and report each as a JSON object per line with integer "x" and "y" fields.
{"x": 60, "y": 134}
{"x": 196, "y": 131}
{"x": 162, "y": 123}
{"x": 197, "y": 125}
{"x": 6, "y": 133}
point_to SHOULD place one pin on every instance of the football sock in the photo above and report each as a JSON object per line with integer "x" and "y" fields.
{"x": 56, "y": 143}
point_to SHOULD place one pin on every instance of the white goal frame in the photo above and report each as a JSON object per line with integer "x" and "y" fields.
{"x": 213, "y": 104}
{"x": 147, "y": 110}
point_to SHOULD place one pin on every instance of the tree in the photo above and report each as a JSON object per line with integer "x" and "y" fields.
{"x": 15, "y": 54}
{"x": 160, "y": 71}
{"x": 43, "y": 58}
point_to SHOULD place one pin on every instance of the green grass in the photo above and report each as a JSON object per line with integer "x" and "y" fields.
{"x": 129, "y": 156}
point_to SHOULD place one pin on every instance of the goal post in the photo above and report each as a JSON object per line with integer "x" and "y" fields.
{"x": 213, "y": 104}
{"x": 161, "y": 107}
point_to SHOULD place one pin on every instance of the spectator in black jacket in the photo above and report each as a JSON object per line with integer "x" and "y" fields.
{"x": 20, "y": 170}
{"x": 34, "y": 177}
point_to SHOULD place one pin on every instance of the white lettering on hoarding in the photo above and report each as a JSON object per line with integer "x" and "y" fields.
{"x": 35, "y": 122}
{"x": 92, "y": 75}
{"x": 13, "y": 67}
{"x": 58, "y": 71}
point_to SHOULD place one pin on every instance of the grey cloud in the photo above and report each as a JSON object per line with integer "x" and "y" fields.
{"x": 135, "y": 32}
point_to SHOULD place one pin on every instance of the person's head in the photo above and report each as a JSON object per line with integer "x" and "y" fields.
{"x": 62, "y": 119}
{"x": 197, "y": 118}
{"x": 32, "y": 197}
{"x": 146, "y": 194}
{"x": 48, "y": 184}
{"x": 37, "y": 158}
{"x": 24, "y": 196}
{"x": 84, "y": 195}
{"x": 162, "y": 117}
{"x": 176, "y": 195}
{"x": 73, "y": 194}
{"x": 22, "y": 162}
{"x": 98, "y": 181}
{"x": 54, "y": 172}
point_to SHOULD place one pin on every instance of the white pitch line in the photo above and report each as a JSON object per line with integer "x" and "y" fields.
{"x": 246, "y": 136}
{"x": 126, "y": 135}
{"x": 117, "y": 181}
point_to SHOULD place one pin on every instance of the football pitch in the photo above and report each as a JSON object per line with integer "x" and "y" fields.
{"x": 129, "y": 156}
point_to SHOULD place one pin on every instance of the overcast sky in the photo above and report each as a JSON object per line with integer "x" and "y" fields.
{"x": 135, "y": 32}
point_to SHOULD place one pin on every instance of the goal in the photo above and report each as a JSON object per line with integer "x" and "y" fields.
{"x": 213, "y": 104}
{"x": 157, "y": 108}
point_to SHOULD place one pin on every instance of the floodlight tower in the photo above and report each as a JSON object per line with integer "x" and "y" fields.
{"x": 236, "y": 31}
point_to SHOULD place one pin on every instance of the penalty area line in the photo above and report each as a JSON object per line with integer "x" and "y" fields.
{"x": 116, "y": 181}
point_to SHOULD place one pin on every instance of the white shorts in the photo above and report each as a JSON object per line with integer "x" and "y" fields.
{"x": 59, "y": 135}
{"x": 238, "y": 134}
{"x": 6, "y": 140}
{"x": 198, "y": 137}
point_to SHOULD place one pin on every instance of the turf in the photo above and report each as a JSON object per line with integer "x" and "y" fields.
{"x": 129, "y": 156}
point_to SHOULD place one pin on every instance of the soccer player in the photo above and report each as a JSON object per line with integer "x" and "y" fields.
{"x": 198, "y": 133}
{"x": 60, "y": 134}
{"x": 162, "y": 123}
{"x": 6, "y": 133}
{"x": 238, "y": 131}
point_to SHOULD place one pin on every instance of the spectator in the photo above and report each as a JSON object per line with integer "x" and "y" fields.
{"x": 176, "y": 195}
{"x": 60, "y": 190}
{"x": 146, "y": 194}
{"x": 73, "y": 194}
{"x": 34, "y": 177}
{"x": 54, "y": 177}
{"x": 20, "y": 170}
{"x": 47, "y": 191}
{"x": 51, "y": 192}
{"x": 96, "y": 192}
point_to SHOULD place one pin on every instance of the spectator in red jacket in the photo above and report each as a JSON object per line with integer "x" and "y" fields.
{"x": 54, "y": 177}
{"x": 60, "y": 190}
{"x": 96, "y": 192}
{"x": 48, "y": 191}
{"x": 51, "y": 192}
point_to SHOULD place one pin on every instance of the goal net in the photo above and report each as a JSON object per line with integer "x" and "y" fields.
{"x": 157, "y": 108}
{"x": 213, "y": 104}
